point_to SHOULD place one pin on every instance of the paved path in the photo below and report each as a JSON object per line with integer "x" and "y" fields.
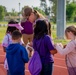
{"x": 59, "y": 64}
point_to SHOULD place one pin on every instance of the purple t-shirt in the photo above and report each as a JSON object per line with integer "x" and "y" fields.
{"x": 43, "y": 46}
{"x": 28, "y": 27}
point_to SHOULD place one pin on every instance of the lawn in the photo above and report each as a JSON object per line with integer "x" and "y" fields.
{"x": 3, "y": 30}
{"x": 2, "y": 33}
{"x": 3, "y": 22}
{"x": 63, "y": 41}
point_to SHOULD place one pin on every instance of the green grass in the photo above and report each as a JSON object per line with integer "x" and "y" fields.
{"x": 2, "y": 33}
{"x": 63, "y": 41}
{"x": 71, "y": 24}
{"x": 3, "y": 22}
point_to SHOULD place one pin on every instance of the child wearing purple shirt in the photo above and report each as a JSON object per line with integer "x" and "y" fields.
{"x": 27, "y": 23}
{"x": 43, "y": 44}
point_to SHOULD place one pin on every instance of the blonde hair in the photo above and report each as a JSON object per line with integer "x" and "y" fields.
{"x": 38, "y": 15}
{"x": 71, "y": 29}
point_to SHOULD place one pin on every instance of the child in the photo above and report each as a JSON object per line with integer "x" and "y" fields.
{"x": 16, "y": 55}
{"x": 43, "y": 44}
{"x": 27, "y": 24}
{"x": 69, "y": 50}
{"x": 12, "y": 25}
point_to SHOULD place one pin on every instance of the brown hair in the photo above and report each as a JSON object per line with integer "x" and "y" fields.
{"x": 27, "y": 11}
{"x": 16, "y": 35}
{"x": 38, "y": 15}
{"x": 71, "y": 29}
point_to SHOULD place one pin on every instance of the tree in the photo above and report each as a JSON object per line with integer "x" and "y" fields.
{"x": 53, "y": 9}
{"x": 70, "y": 11}
{"x": 44, "y": 7}
{"x": 1, "y": 13}
{"x": 39, "y": 10}
{"x": 5, "y": 10}
{"x": 14, "y": 13}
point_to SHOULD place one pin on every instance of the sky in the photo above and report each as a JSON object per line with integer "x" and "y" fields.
{"x": 9, "y": 4}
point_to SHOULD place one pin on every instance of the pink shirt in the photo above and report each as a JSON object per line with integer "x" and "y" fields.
{"x": 70, "y": 52}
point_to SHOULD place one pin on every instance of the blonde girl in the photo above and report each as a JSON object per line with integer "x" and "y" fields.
{"x": 69, "y": 50}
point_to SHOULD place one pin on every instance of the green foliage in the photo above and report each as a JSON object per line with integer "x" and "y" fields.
{"x": 1, "y": 13}
{"x": 39, "y": 10}
{"x": 54, "y": 7}
{"x": 45, "y": 7}
{"x": 70, "y": 11}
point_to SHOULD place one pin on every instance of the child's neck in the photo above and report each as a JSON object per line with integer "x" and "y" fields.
{"x": 73, "y": 38}
{"x": 15, "y": 41}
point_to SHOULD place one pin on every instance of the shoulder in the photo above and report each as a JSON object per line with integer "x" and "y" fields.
{"x": 71, "y": 43}
{"x": 22, "y": 47}
{"x": 47, "y": 37}
{"x": 7, "y": 37}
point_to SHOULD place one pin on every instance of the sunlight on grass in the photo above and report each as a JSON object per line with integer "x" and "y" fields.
{"x": 2, "y": 33}
{"x": 3, "y": 22}
{"x": 63, "y": 41}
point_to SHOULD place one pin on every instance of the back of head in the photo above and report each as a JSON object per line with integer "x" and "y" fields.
{"x": 71, "y": 29}
{"x": 16, "y": 35}
{"x": 11, "y": 29}
{"x": 40, "y": 29}
{"x": 26, "y": 12}
{"x": 13, "y": 22}
{"x": 49, "y": 28}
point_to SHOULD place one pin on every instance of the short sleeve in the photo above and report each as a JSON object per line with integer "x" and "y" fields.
{"x": 5, "y": 41}
{"x": 49, "y": 43}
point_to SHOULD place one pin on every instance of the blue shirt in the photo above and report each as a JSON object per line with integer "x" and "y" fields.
{"x": 16, "y": 56}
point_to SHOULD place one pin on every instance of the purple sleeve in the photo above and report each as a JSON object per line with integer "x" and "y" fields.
{"x": 48, "y": 42}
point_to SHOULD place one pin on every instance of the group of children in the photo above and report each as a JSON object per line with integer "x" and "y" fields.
{"x": 16, "y": 54}
{"x": 36, "y": 29}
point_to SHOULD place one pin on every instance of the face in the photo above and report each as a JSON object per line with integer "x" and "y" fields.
{"x": 68, "y": 35}
{"x": 32, "y": 17}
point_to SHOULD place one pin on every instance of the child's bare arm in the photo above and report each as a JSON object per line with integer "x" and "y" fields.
{"x": 4, "y": 49}
{"x": 53, "y": 52}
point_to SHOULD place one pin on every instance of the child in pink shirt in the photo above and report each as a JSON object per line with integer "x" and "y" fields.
{"x": 69, "y": 50}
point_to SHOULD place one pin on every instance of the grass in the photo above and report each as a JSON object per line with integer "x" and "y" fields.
{"x": 63, "y": 41}
{"x": 2, "y": 33}
{"x": 71, "y": 24}
{"x": 3, "y": 22}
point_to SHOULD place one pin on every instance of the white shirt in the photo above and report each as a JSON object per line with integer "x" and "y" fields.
{"x": 70, "y": 52}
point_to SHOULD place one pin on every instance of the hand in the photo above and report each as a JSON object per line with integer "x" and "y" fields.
{"x": 58, "y": 44}
{"x": 64, "y": 46}
{"x": 30, "y": 44}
